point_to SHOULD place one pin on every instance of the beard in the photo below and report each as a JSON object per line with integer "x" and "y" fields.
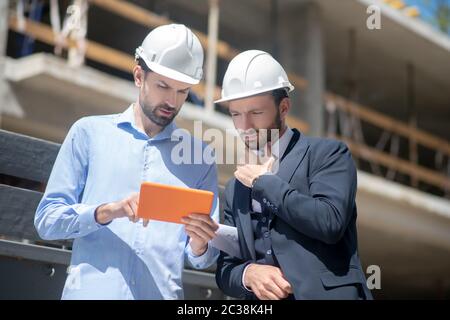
{"x": 264, "y": 136}
{"x": 151, "y": 113}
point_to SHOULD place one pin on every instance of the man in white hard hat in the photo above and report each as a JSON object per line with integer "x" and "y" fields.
{"x": 296, "y": 224}
{"x": 92, "y": 197}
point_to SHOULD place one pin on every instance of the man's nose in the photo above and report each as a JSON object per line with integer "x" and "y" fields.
{"x": 171, "y": 99}
{"x": 246, "y": 122}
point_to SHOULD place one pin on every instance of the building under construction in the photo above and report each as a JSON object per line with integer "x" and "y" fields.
{"x": 384, "y": 91}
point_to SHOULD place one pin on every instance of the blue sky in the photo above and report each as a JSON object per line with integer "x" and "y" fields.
{"x": 425, "y": 10}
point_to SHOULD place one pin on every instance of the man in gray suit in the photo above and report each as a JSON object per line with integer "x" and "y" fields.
{"x": 296, "y": 222}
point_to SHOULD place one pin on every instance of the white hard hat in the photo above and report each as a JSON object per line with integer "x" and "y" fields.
{"x": 253, "y": 72}
{"x": 173, "y": 51}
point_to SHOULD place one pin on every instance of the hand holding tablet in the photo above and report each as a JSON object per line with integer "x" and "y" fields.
{"x": 172, "y": 203}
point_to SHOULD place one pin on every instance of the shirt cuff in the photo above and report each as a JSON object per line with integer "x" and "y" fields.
{"x": 258, "y": 192}
{"x": 243, "y": 277}
{"x": 86, "y": 218}
{"x": 203, "y": 261}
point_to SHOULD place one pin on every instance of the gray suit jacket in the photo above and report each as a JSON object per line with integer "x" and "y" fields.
{"x": 314, "y": 239}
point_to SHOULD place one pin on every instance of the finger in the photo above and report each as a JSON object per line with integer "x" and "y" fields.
{"x": 267, "y": 295}
{"x": 205, "y": 218}
{"x": 269, "y": 149}
{"x": 195, "y": 236}
{"x": 205, "y": 222}
{"x": 133, "y": 211}
{"x": 185, "y": 220}
{"x": 250, "y": 157}
{"x": 134, "y": 204}
{"x": 273, "y": 287}
{"x": 246, "y": 170}
{"x": 128, "y": 212}
{"x": 237, "y": 175}
{"x": 282, "y": 283}
{"x": 253, "y": 158}
{"x": 270, "y": 163}
{"x": 215, "y": 226}
{"x": 201, "y": 227}
{"x": 240, "y": 177}
{"x": 134, "y": 207}
{"x": 277, "y": 291}
{"x": 199, "y": 233}
{"x": 257, "y": 293}
{"x": 199, "y": 216}
{"x": 192, "y": 235}
{"x": 131, "y": 203}
{"x": 247, "y": 156}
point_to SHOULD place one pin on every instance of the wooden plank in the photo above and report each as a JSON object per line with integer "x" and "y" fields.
{"x": 295, "y": 122}
{"x": 149, "y": 19}
{"x": 26, "y": 157}
{"x": 27, "y": 126}
{"x": 17, "y": 208}
{"x": 404, "y": 166}
{"x": 297, "y": 81}
{"x": 424, "y": 138}
{"x": 94, "y": 51}
{"x": 34, "y": 252}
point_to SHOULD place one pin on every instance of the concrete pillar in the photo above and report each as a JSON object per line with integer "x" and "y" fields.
{"x": 3, "y": 26}
{"x": 3, "y": 42}
{"x": 302, "y": 52}
{"x": 211, "y": 51}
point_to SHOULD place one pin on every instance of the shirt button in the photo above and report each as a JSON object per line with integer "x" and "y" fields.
{"x": 269, "y": 252}
{"x": 133, "y": 282}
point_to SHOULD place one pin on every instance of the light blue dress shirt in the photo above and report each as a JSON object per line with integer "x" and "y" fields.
{"x": 104, "y": 159}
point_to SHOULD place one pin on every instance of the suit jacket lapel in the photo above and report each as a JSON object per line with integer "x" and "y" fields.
{"x": 292, "y": 160}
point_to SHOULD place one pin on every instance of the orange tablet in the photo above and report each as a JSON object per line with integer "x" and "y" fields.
{"x": 171, "y": 203}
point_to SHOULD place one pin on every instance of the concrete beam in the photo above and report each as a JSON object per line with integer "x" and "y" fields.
{"x": 391, "y": 208}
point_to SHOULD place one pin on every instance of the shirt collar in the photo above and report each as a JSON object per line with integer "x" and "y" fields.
{"x": 280, "y": 146}
{"x": 128, "y": 117}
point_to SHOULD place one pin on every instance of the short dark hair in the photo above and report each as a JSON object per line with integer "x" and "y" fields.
{"x": 279, "y": 94}
{"x": 143, "y": 65}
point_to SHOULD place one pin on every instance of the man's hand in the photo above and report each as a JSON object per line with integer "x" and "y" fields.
{"x": 251, "y": 170}
{"x": 200, "y": 228}
{"x": 267, "y": 282}
{"x": 124, "y": 208}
